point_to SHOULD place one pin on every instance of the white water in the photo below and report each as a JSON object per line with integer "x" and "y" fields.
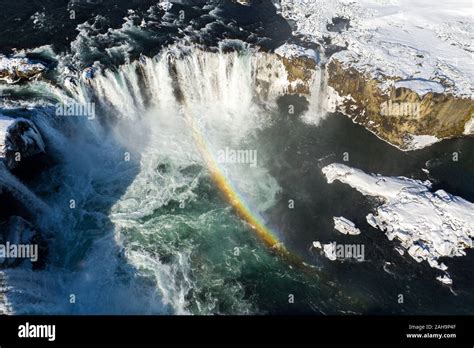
{"x": 229, "y": 97}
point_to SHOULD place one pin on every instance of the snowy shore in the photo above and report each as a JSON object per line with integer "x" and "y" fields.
{"x": 429, "y": 225}
{"x": 425, "y": 46}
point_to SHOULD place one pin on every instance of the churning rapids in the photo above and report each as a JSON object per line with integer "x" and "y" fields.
{"x": 145, "y": 212}
{"x": 150, "y": 230}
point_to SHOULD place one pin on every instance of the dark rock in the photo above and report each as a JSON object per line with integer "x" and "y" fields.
{"x": 17, "y": 232}
{"x": 21, "y": 140}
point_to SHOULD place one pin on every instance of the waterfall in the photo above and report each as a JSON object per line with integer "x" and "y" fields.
{"x": 129, "y": 166}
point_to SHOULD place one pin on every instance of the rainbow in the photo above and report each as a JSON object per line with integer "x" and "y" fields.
{"x": 255, "y": 221}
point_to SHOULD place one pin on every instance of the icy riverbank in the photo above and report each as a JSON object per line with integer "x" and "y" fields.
{"x": 429, "y": 225}
{"x": 414, "y": 56}
{"x": 407, "y": 39}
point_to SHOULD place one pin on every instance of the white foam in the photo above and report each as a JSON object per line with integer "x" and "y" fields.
{"x": 5, "y": 122}
{"x": 225, "y": 98}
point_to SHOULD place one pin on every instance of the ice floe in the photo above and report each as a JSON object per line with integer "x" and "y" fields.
{"x": 429, "y": 225}
{"x": 345, "y": 226}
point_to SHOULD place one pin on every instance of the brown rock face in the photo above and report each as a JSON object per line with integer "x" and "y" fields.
{"x": 13, "y": 70}
{"x": 300, "y": 72}
{"x": 401, "y": 113}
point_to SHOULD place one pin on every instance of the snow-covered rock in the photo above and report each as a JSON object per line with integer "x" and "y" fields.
{"x": 417, "y": 56}
{"x": 445, "y": 279}
{"x": 292, "y": 51}
{"x": 19, "y": 139}
{"x": 341, "y": 252}
{"x": 420, "y": 141}
{"x": 429, "y": 225}
{"x": 420, "y": 86}
{"x": 13, "y": 70}
{"x": 413, "y": 40}
{"x": 329, "y": 249}
{"x": 345, "y": 226}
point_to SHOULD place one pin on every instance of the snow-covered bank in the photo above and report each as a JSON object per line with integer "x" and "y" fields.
{"x": 413, "y": 40}
{"x": 430, "y": 225}
{"x": 13, "y": 70}
{"x": 416, "y": 56}
{"x": 291, "y": 51}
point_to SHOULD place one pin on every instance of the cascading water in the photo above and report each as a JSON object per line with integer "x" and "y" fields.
{"x": 150, "y": 231}
{"x": 174, "y": 196}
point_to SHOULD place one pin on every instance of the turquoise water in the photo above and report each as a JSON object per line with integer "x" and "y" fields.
{"x": 154, "y": 235}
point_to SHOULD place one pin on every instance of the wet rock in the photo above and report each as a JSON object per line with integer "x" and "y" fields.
{"x": 19, "y": 140}
{"x": 21, "y": 243}
{"x": 88, "y": 73}
{"x": 300, "y": 65}
{"x": 13, "y": 70}
{"x": 338, "y": 25}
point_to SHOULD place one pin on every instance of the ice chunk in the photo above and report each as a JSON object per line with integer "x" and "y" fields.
{"x": 345, "y": 226}
{"x": 428, "y": 224}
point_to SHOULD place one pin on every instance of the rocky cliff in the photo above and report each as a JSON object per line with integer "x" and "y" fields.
{"x": 399, "y": 115}
{"x": 402, "y": 70}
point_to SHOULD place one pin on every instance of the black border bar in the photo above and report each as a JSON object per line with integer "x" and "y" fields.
{"x": 224, "y": 330}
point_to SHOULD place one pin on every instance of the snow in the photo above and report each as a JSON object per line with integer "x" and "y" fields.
{"x": 429, "y": 225}
{"x": 420, "y": 141}
{"x": 9, "y": 68}
{"x": 392, "y": 40}
{"x": 469, "y": 127}
{"x": 445, "y": 279}
{"x": 329, "y": 249}
{"x": 291, "y": 50}
{"x": 420, "y": 86}
{"x": 345, "y": 226}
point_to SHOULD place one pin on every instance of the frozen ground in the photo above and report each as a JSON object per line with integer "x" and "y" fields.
{"x": 425, "y": 45}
